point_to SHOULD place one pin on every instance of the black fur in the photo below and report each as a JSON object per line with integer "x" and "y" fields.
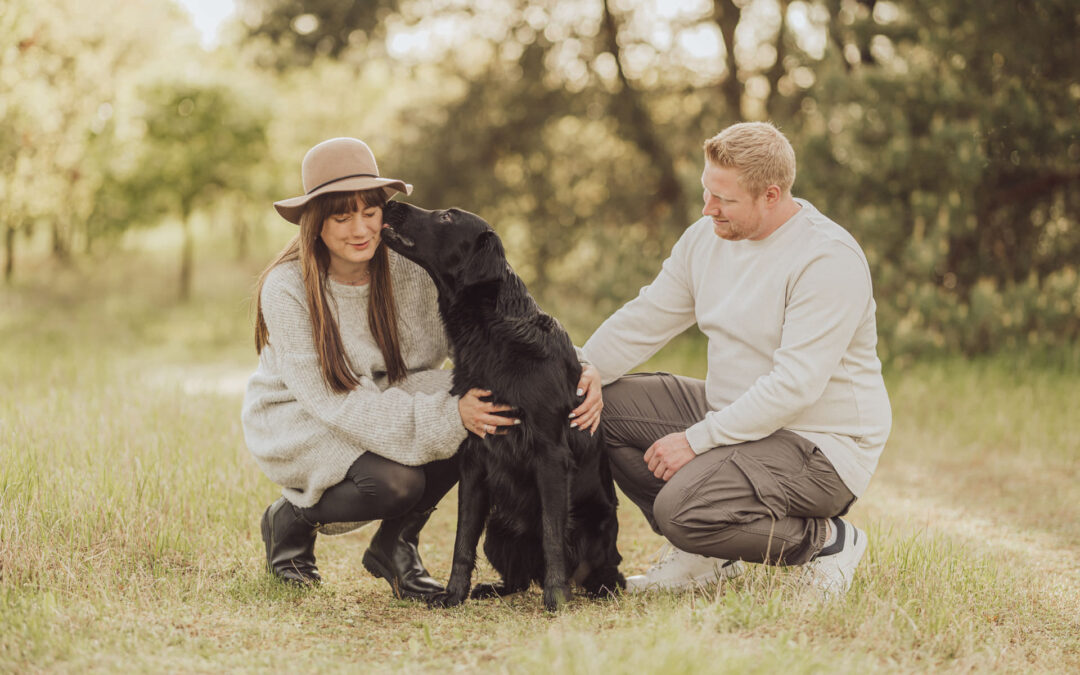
{"x": 543, "y": 490}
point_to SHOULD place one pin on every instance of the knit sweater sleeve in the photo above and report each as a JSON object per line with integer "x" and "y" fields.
{"x": 638, "y": 329}
{"x": 410, "y": 428}
{"x": 826, "y": 301}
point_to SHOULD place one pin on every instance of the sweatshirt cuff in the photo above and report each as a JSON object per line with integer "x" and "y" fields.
{"x": 698, "y": 437}
{"x": 605, "y": 378}
{"x": 458, "y": 430}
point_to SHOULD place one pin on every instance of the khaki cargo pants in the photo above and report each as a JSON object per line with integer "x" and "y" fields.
{"x": 761, "y": 501}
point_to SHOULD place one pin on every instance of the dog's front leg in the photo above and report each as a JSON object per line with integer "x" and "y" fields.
{"x": 472, "y": 513}
{"x": 554, "y": 483}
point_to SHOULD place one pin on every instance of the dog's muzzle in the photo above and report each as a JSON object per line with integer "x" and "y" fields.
{"x": 393, "y": 236}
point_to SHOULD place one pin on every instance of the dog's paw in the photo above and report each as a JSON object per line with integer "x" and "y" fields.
{"x": 605, "y": 583}
{"x": 485, "y": 591}
{"x": 445, "y": 599}
{"x": 556, "y": 597}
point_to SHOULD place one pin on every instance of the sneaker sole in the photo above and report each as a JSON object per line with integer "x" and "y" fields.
{"x": 728, "y": 570}
{"x": 732, "y": 569}
{"x": 861, "y": 544}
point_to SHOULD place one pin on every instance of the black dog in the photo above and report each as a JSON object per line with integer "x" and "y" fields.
{"x": 544, "y": 489}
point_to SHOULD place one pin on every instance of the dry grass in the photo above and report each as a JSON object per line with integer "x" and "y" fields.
{"x": 129, "y": 507}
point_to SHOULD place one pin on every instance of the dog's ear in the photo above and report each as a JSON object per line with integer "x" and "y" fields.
{"x": 487, "y": 261}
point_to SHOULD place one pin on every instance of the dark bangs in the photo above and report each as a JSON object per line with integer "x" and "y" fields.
{"x": 347, "y": 202}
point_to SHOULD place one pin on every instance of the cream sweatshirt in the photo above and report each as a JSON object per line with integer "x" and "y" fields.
{"x": 791, "y": 338}
{"x": 303, "y": 435}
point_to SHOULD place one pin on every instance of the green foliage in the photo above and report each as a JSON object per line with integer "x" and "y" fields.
{"x": 67, "y": 70}
{"x": 944, "y": 136}
{"x": 200, "y": 140}
{"x": 298, "y": 32}
{"x": 200, "y": 143}
{"x": 954, "y": 162}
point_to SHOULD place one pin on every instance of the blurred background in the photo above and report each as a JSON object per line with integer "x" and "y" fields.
{"x": 142, "y": 143}
{"x": 146, "y": 140}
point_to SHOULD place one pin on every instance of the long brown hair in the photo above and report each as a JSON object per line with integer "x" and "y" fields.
{"x": 308, "y": 247}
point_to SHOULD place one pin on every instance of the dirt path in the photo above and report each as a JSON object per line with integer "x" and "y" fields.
{"x": 1057, "y": 569}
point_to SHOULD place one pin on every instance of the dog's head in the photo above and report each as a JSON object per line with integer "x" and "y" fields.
{"x": 457, "y": 248}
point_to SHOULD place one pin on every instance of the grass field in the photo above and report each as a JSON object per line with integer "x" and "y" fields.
{"x": 129, "y": 521}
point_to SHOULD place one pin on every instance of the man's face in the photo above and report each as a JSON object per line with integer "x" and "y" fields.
{"x": 735, "y": 214}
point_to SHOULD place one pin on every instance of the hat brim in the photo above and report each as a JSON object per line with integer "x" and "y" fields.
{"x": 290, "y": 209}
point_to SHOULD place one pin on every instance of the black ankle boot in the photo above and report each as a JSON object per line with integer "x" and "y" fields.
{"x": 394, "y": 556}
{"x": 290, "y": 544}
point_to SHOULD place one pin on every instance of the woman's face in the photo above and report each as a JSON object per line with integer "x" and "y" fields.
{"x": 351, "y": 238}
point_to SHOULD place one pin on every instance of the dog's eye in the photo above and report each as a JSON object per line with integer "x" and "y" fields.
{"x": 446, "y": 218}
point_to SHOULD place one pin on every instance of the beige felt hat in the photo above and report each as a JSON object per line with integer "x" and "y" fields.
{"x": 338, "y": 165}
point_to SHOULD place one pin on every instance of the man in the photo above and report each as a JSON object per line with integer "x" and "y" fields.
{"x": 758, "y": 462}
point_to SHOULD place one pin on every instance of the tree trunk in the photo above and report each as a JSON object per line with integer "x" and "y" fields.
{"x": 636, "y": 124}
{"x": 187, "y": 254}
{"x": 777, "y": 70}
{"x": 242, "y": 232}
{"x": 61, "y": 248}
{"x": 726, "y": 14}
{"x": 9, "y": 253}
{"x": 841, "y": 37}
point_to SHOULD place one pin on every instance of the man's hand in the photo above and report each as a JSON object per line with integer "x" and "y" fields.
{"x": 669, "y": 454}
{"x": 587, "y": 415}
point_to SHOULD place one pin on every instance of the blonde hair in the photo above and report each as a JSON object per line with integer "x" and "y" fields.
{"x": 758, "y": 151}
{"x": 308, "y": 247}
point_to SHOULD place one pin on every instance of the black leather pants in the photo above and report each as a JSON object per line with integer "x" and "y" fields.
{"x": 376, "y": 488}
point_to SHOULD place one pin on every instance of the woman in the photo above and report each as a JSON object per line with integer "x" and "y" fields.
{"x": 348, "y": 410}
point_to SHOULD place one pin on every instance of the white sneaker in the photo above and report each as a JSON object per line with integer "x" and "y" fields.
{"x": 831, "y": 574}
{"x": 677, "y": 570}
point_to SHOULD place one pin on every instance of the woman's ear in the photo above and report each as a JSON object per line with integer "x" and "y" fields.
{"x": 487, "y": 261}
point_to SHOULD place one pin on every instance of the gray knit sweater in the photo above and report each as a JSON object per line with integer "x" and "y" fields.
{"x": 304, "y": 436}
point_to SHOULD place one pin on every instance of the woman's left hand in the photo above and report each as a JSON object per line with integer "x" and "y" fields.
{"x": 587, "y": 415}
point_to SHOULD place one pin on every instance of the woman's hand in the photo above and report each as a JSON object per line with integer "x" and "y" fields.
{"x": 587, "y": 415}
{"x": 479, "y": 416}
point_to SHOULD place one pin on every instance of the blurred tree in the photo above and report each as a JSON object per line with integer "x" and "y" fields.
{"x": 65, "y": 66}
{"x": 12, "y": 212}
{"x": 953, "y": 151}
{"x": 852, "y": 28}
{"x": 592, "y": 70}
{"x": 541, "y": 159}
{"x": 117, "y": 202}
{"x": 199, "y": 142}
{"x": 24, "y": 99}
{"x": 9, "y": 219}
{"x": 943, "y": 134}
{"x": 300, "y": 31}
{"x": 628, "y": 108}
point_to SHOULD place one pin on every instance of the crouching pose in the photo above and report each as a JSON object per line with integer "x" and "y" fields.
{"x": 758, "y": 462}
{"x": 348, "y": 410}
